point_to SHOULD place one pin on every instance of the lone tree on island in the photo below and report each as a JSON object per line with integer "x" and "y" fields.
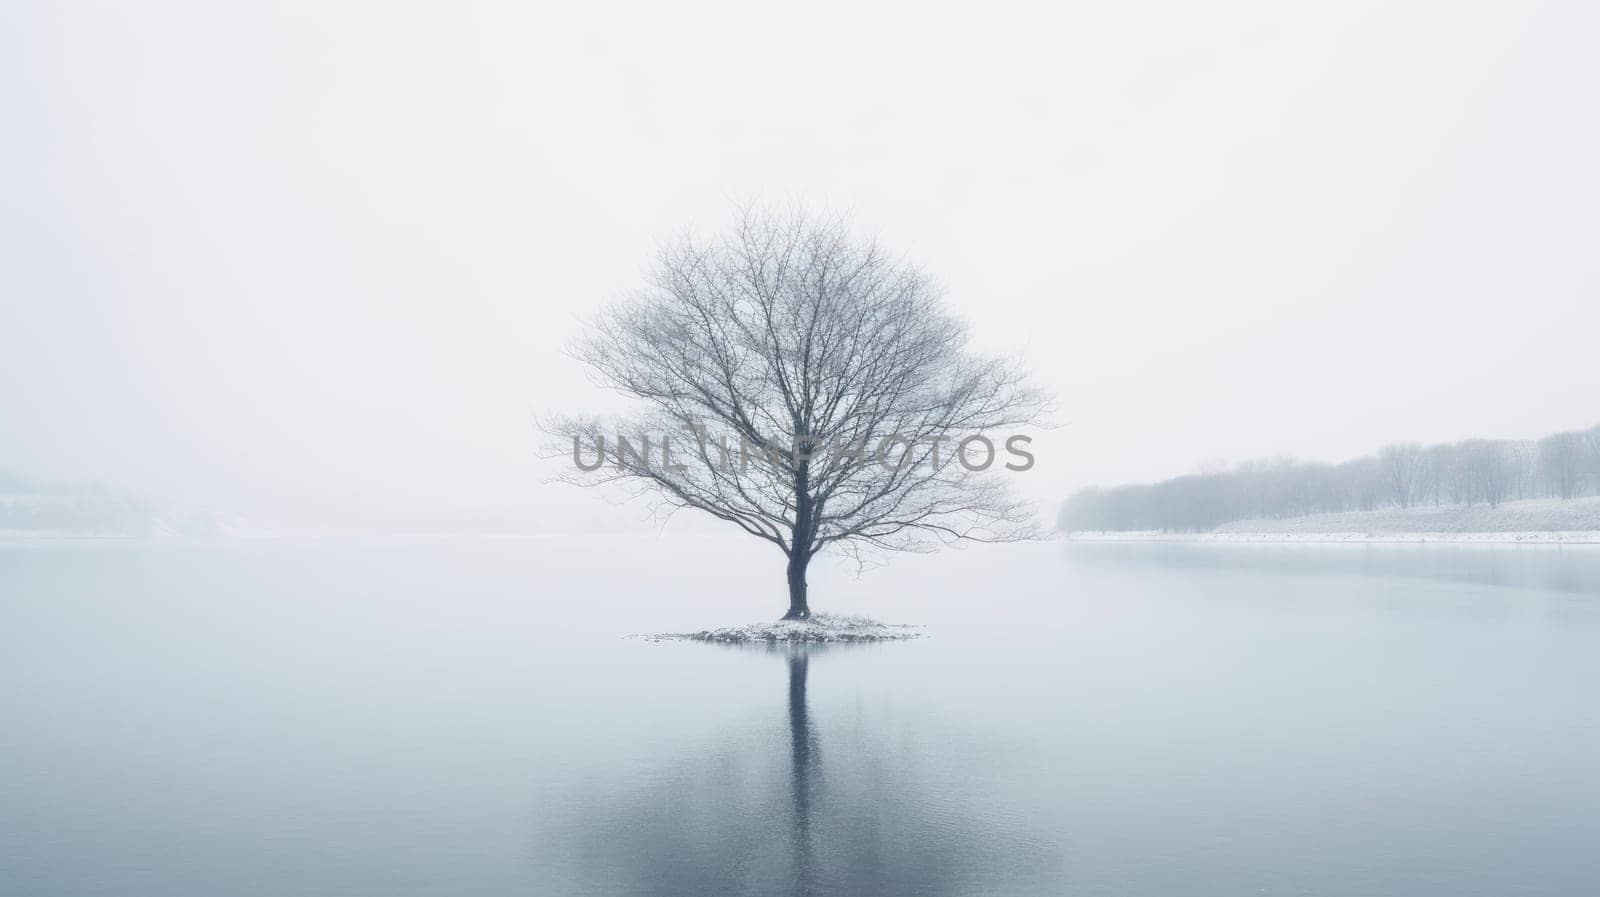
{"x": 810, "y": 389}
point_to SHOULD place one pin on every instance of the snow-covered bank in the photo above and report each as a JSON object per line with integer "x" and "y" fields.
{"x": 820, "y": 628}
{"x": 1536, "y": 538}
{"x": 1569, "y": 521}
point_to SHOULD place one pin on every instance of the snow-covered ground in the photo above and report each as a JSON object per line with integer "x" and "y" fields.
{"x": 1542, "y": 538}
{"x": 820, "y": 628}
{"x": 1570, "y": 521}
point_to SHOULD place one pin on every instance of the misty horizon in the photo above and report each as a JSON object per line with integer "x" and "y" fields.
{"x": 342, "y": 315}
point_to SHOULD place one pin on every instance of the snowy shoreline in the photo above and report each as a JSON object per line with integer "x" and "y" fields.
{"x": 1533, "y": 521}
{"x": 1516, "y": 538}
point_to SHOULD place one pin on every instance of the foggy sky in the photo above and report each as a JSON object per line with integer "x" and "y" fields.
{"x": 311, "y": 256}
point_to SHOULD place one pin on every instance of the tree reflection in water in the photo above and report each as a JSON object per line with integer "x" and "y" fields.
{"x": 803, "y": 748}
{"x": 756, "y": 816}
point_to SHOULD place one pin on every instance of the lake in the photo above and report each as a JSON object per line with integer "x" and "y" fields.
{"x": 464, "y": 717}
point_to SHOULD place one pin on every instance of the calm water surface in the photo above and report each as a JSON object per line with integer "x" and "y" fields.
{"x": 463, "y": 717}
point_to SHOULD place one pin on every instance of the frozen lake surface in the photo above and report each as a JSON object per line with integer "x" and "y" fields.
{"x": 465, "y": 717}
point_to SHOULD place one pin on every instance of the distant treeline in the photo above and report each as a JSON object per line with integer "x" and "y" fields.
{"x": 29, "y": 506}
{"x": 1403, "y": 475}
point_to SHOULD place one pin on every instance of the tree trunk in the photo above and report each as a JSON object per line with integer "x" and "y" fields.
{"x": 798, "y": 609}
{"x": 800, "y": 542}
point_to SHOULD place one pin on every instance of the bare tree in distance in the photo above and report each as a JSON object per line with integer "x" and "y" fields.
{"x": 1561, "y": 457}
{"x": 1402, "y": 468}
{"x": 1591, "y": 439}
{"x": 1489, "y": 462}
{"x": 1435, "y": 471}
{"x": 774, "y": 363}
{"x": 1523, "y": 458}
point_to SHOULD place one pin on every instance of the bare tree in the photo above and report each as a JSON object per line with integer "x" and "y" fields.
{"x": 1402, "y": 467}
{"x": 1522, "y": 458}
{"x": 1363, "y": 483}
{"x": 1591, "y": 440}
{"x": 812, "y": 390}
{"x": 1561, "y": 457}
{"x": 1491, "y": 467}
{"x": 1434, "y": 473}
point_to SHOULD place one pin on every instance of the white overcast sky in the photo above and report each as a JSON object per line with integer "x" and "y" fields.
{"x": 274, "y": 254}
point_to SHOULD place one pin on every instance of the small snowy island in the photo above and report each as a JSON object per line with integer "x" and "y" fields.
{"x": 819, "y": 627}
